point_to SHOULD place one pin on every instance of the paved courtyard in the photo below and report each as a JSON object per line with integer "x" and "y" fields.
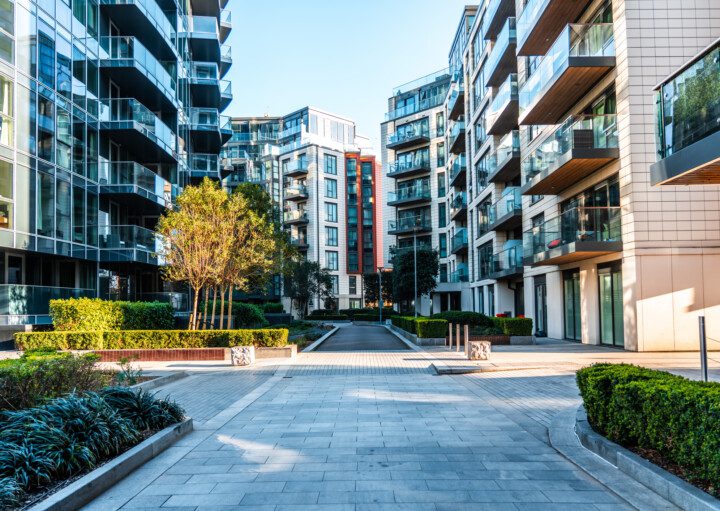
{"x": 371, "y": 430}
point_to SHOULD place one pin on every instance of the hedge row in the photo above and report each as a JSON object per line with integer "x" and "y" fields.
{"x": 647, "y": 409}
{"x": 151, "y": 339}
{"x": 425, "y": 328}
{"x": 96, "y": 314}
{"x": 351, "y": 313}
{"x": 465, "y": 318}
{"x": 327, "y": 315}
{"x": 514, "y": 326}
{"x": 505, "y": 326}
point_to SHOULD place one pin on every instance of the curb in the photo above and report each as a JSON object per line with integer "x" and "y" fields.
{"x": 322, "y": 339}
{"x": 96, "y": 482}
{"x": 160, "y": 381}
{"x": 659, "y": 480}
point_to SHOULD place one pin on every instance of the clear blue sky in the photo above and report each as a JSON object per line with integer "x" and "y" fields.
{"x": 341, "y": 56}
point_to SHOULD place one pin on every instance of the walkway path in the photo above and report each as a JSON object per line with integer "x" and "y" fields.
{"x": 362, "y": 338}
{"x": 367, "y": 431}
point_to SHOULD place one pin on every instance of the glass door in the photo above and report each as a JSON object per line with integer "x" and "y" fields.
{"x": 611, "y": 306}
{"x": 571, "y": 296}
{"x": 540, "y": 307}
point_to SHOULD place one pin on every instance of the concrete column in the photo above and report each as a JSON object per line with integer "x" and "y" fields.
{"x": 589, "y": 304}
{"x": 555, "y": 318}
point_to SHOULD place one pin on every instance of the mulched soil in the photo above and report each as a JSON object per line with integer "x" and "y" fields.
{"x": 656, "y": 458}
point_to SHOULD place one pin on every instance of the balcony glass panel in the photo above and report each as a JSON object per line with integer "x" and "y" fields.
{"x": 295, "y": 215}
{"x": 226, "y": 16}
{"x": 689, "y": 105}
{"x": 20, "y": 300}
{"x": 127, "y": 173}
{"x": 204, "y": 72}
{"x": 459, "y": 239}
{"x": 410, "y": 223}
{"x": 594, "y": 40}
{"x": 458, "y": 203}
{"x": 414, "y": 161}
{"x": 597, "y": 224}
{"x": 296, "y": 191}
{"x": 414, "y": 192}
{"x": 225, "y": 88}
{"x": 457, "y": 129}
{"x": 125, "y": 48}
{"x": 131, "y": 110}
{"x": 507, "y": 92}
{"x": 417, "y": 106}
{"x": 455, "y": 96}
{"x": 529, "y": 17}
{"x": 153, "y": 12}
{"x": 129, "y": 237}
{"x": 417, "y": 129}
{"x": 505, "y": 38}
{"x": 460, "y": 274}
{"x": 585, "y": 132}
{"x": 458, "y": 166}
{"x": 209, "y": 163}
{"x": 508, "y": 147}
{"x": 510, "y": 202}
{"x": 508, "y": 260}
{"x": 205, "y": 26}
{"x": 226, "y": 53}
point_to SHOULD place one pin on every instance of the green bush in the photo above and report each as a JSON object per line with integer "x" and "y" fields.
{"x": 465, "y": 318}
{"x": 273, "y": 308}
{"x": 513, "y": 326}
{"x": 33, "y": 378}
{"x": 90, "y": 314}
{"x": 328, "y": 315}
{"x": 351, "y": 313}
{"x": 248, "y": 315}
{"x": 642, "y": 408}
{"x": 151, "y": 339}
{"x": 422, "y": 327}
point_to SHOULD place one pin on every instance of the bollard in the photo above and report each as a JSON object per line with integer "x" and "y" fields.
{"x": 457, "y": 337}
{"x": 451, "y": 336}
{"x": 467, "y": 339}
{"x": 703, "y": 350}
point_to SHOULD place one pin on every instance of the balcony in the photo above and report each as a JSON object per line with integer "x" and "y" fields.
{"x": 225, "y": 25}
{"x": 145, "y": 20}
{"x": 141, "y": 189}
{"x": 299, "y": 243}
{"x": 457, "y": 138}
{"x": 206, "y": 89}
{"x": 508, "y": 263}
{"x": 577, "y": 60}
{"x": 503, "y": 112}
{"x": 688, "y": 124}
{"x": 130, "y": 123}
{"x": 506, "y": 213}
{"x": 207, "y": 165}
{"x": 459, "y": 243}
{"x": 409, "y": 225}
{"x": 409, "y": 167}
{"x": 458, "y": 172}
{"x": 296, "y": 193}
{"x": 225, "y": 59}
{"x": 459, "y": 275}
{"x": 456, "y": 104}
{"x": 495, "y": 15}
{"x": 458, "y": 207}
{"x": 504, "y": 160}
{"x": 408, "y": 195}
{"x": 542, "y": 20}
{"x": 209, "y": 130}
{"x": 296, "y": 168}
{"x": 130, "y": 244}
{"x": 226, "y": 95}
{"x": 25, "y": 303}
{"x": 295, "y": 217}
{"x": 205, "y": 8}
{"x": 409, "y": 135}
{"x": 574, "y": 150}
{"x": 132, "y": 67}
{"x": 502, "y": 59}
{"x": 577, "y": 234}
{"x": 203, "y": 37}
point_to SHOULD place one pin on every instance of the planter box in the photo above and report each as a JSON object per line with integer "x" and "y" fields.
{"x": 289, "y": 351}
{"x": 492, "y": 339}
{"x": 522, "y": 340}
{"x": 418, "y": 341}
{"x": 165, "y": 355}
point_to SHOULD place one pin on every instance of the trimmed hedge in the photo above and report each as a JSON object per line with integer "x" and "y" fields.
{"x": 273, "y": 308}
{"x": 351, "y": 313}
{"x": 426, "y": 328}
{"x": 329, "y": 315}
{"x": 506, "y": 326}
{"x": 465, "y": 318}
{"x": 90, "y": 314}
{"x": 642, "y": 408}
{"x": 514, "y": 326}
{"x": 248, "y": 315}
{"x": 151, "y": 339}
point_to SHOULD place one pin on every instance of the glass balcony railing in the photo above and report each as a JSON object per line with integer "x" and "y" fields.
{"x": 121, "y": 174}
{"x": 296, "y": 191}
{"x": 505, "y": 38}
{"x": 298, "y": 242}
{"x": 409, "y": 224}
{"x": 226, "y": 16}
{"x": 416, "y": 106}
{"x": 409, "y": 133}
{"x": 226, "y": 54}
{"x": 459, "y": 166}
{"x": 204, "y": 73}
{"x": 459, "y": 275}
{"x": 152, "y": 12}
{"x": 688, "y": 105}
{"x": 507, "y": 92}
{"x": 294, "y": 167}
{"x": 226, "y": 88}
{"x": 208, "y": 119}
{"x": 584, "y": 224}
{"x": 507, "y": 148}
{"x": 595, "y": 40}
{"x": 458, "y": 204}
{"x": 129, "y": 110}
{"x": 410, "y": 193}
{"x": 203, "y": 26}
{"x": 459, "y": 240}
{"x": 22, "y": 300}
{"x": 295, "y": 215}
{"x": 421, "y": 82}
{"x": 510, "y": 202}
{"x": 205, "y": 164}
{"x": 409, "y": 165}
{"x": 130, "y": 237}
{"x": 455, "y": 96}
{"x": 123, "y": 48}
{"x": 291, "y": 131}
{"x": 529, "y": 17}
{"x": 585, "y": 132}
{"x": 507, "y": 261}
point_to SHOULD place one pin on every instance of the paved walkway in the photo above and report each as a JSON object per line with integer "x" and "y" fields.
{"x": 363, "y": 338}
{"x": 366, "y": 431}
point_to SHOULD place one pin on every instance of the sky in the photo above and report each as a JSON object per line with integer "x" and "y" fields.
{"x": 341, "y": 56}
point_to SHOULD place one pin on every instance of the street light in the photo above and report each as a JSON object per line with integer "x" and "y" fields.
{"x": 415, "y": 269}
{"x": 380, "y": 299}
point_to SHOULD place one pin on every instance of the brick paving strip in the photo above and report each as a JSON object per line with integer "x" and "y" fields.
{"x": 367, "y": 431}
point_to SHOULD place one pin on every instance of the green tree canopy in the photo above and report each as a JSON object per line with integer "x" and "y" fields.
{"x": 428, "y": 266}
{"x": 305, "y": 280}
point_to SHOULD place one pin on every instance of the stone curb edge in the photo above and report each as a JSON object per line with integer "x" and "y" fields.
{"x": 659, "y": 480}
{"x": 160, "y": 381}
{"x": 322, "y": 339}
{"x": 96, "y": 482}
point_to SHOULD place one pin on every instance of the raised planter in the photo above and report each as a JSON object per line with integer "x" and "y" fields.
{"x": 522, "y": 340}
{"x": 492, "y": 339}
{"x": 418, "y": 341}
{"x": 289, "y": 351}
{"x": 165, "y": 355}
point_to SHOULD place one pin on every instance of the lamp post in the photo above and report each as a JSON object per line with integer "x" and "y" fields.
{"x": 380, "y": 298}
{"x": 415, "y": 269}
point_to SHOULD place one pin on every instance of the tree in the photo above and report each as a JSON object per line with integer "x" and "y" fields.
{"x": 428, "y": 266}
{"x": 370, "y": 287}
{"x": 305, "y": 280}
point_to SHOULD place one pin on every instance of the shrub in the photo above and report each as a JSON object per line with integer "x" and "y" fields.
{"x": 91, "y": 314}
{"x": 465, "y": 318}
{"x": 487, "y": 330}
{"x": 248, "y": 315}
{"x": 325, "y": 314}
{"x": 32, "y": 379}
{"x": 152, "y": 339}
{"x": 422, "y": 327}
{"x": 513, "y": 326}
{"x": 352, "y": 313}
{"x": 677, "y": 418}
{"x": 273, "y": 308}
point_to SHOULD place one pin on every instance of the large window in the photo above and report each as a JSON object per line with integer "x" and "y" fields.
{"x": 335, "y": 280}
{"x": 443, "y": 245}
{"x": 440, "y": 124}
{"x": 331, "y": 212}
{"x": 442, "y": 216}
{"x": 330, "y": 188}
{"x": 331, "y": 236}
{"x": 331, "y": 164}
{"x": 441, "y": 154}
{"x": 352, "y": 279}
{"x": 331, "y": 260}
{"x": 45, "y": 203}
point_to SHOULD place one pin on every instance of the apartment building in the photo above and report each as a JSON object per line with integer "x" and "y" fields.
{"x": 563, "y": 223}
{"x": 108, "y": 110}
{"x": 329, "y": 183}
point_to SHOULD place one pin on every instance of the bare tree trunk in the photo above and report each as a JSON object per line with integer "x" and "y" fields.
{"x": 230, "y": 303}
{"x": 206, "y": 293}
{"x": 193, "y": 314}
{"x": 222, "y": 306}
{"x": 212, "y": 318}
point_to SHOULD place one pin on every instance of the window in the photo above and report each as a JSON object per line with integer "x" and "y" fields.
{"x": 331, "y": 260}
{"x": 441, "y": 185}
{"x": 440, "y": 124}
{"x": 480, "y": 133}
{"x": 441, "y": 154}
{"x": 331, "y": 236}
{"x": 331, "y": 164}
{"x": 335, "y": 284}
{"x": 331, "y": 212}
{"x": 443, "y": 245}
{"x": 355, "y": 303}
{"x": 331, "y": 188}
{"x": 353, "y": 284}
{"x": 478, "y": 89}
{"x": 442, "y": 218}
